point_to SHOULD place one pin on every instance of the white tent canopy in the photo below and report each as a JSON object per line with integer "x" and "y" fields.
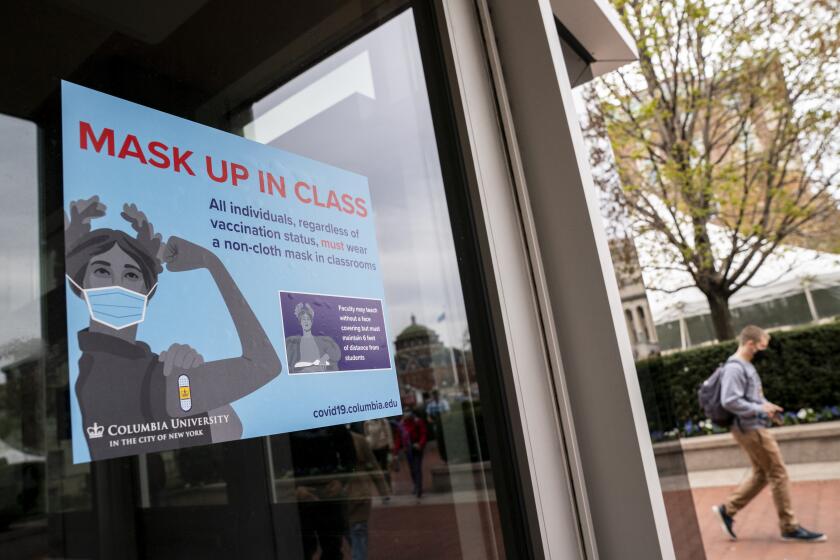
{"x": 789, "y": 271}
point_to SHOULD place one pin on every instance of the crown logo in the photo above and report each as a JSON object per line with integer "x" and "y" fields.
{"x": 95, "y": 431}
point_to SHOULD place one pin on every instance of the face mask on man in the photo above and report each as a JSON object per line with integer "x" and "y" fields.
{"x": 115, "y": 306}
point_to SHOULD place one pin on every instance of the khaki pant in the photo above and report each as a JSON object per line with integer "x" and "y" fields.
{"x": 767, "y": 466}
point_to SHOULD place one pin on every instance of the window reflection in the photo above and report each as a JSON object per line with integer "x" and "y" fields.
{"x": 420, "y": 481}
{"x": 23, "y": 454}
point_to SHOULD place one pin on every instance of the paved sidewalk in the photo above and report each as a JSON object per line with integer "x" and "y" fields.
{"x": 817, "y": 505}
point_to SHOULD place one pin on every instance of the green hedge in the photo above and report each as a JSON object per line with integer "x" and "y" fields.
{"x": 462, "y": 443}
{"x": 800, "y": 369}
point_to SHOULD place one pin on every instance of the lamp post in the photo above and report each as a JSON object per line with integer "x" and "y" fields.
{"x": 440, "y": 319}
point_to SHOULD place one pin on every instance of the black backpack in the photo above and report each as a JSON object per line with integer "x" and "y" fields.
{"x": 708, "y": 395}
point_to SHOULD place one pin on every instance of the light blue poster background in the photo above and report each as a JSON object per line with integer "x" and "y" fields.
{"x": 187, "y": 308}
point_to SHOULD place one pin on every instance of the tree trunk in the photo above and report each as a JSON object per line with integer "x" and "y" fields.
{"x": 721, "y": 317}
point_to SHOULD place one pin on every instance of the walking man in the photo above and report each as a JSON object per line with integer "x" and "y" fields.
{"x": 741, "y": 394}
{"x": 412, "y": 437}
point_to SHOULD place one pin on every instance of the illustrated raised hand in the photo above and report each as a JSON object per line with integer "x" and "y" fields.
{"x": 180, "y": 255}
{"x": 180, "y": 357}
{"x": 145, "y": 231}
{"x": 139, "y": 222}
{"x": 82, "y": 212}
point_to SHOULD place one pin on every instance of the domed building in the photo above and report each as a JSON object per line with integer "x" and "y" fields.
{"x": 423, "y": 362}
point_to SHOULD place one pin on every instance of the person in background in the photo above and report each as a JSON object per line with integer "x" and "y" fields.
{"x": 366, "y": 476}
{"x": 380, "y": 437}
{"x": 741, "y": 394}
{"x": 436, "y": 405}
{"x": 412, "y": 437}
{"x": 436, "y": 408}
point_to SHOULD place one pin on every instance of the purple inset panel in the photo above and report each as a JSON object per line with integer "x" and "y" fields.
{"x": 327, "y": 333}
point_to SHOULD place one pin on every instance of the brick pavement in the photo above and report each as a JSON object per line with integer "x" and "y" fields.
{"x": 431, "y": 528}
{"x": 816, "y": 503}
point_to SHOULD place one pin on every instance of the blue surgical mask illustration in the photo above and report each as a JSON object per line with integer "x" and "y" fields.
{"x": 115, "y": 306}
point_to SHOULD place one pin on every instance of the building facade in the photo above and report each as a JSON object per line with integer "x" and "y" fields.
{"x": 634, "y": 300}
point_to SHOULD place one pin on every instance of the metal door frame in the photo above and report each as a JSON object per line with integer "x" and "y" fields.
{"x": 580, "y": 432}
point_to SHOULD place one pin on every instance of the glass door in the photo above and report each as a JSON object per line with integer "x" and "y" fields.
{"x": 357, "y": 86}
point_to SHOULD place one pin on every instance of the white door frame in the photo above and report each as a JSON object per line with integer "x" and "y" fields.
{"x": 568, "y": 361}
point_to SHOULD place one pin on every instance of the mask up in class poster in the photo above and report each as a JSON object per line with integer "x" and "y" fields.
{"x": 217, "y": 288}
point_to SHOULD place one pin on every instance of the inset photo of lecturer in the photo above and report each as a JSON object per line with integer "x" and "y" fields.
{"x": 327, "y": 333}
{"x": 307, "y": 352}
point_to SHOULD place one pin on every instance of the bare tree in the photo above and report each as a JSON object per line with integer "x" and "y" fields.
{"x": 728, "y": 123}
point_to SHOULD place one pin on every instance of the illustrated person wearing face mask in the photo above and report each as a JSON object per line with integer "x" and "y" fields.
{"x": 121, "y": 381}
{"x": 742, "y": 395}
{"x": 308, "y": 353}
